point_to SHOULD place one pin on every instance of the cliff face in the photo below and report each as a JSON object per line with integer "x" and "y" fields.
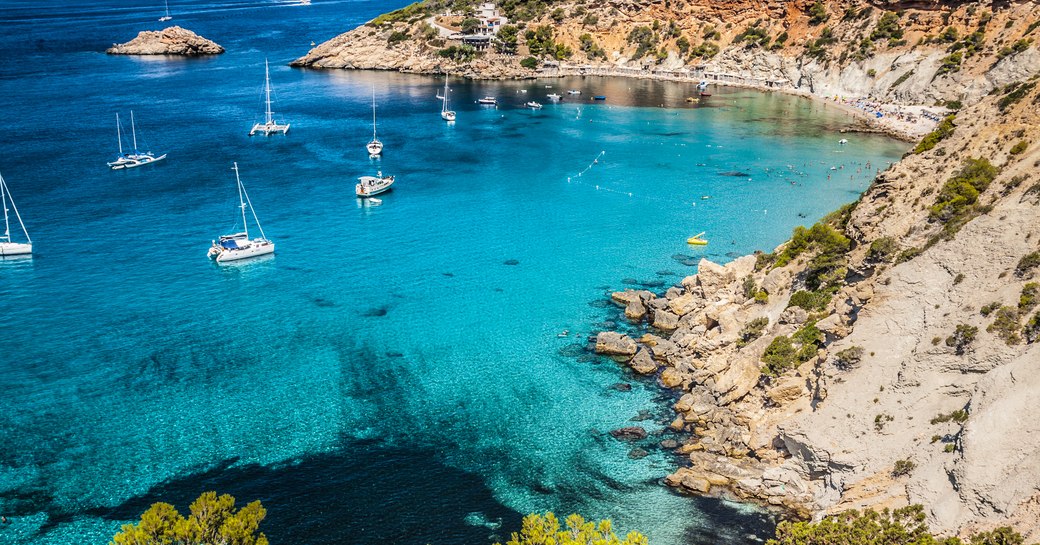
{"x": 169, "y": 41}
{"x": 893, "y": 51}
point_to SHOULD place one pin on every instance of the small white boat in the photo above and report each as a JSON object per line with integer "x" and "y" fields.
{"x": 574, "y": 92}
{"x": 375, "y": 147}
{"x": 238, "y": 246}
{"x": 166, "y": 17}
{"x": 553, "y": 97}
{"x": 491, "y": 101}
{"x": 135, "y": 159}
{"x": 843, "y": 141}
{"x": 370, "y": 186}
{"x": 533, "y": 105}
{"x": 8, "y": 247}
{"x": 446, "y": 114}
{"x": 269, "y": 126}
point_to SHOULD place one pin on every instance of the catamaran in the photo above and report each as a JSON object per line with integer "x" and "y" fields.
{"x": 375, "y": 147}
{"x": 446, "y": 114}
{"x": 370, "y": 186}
{"x": 166, "y": 17}
{"x": 238, "y": 245}
{"x": 135, "y": 159}
{"x": 269, "y": 126}
{"x": 8, "y": 246}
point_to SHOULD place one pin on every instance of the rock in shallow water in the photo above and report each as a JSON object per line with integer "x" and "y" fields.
{"x": 629, "y": 433}
{"x": 169, "y": 41}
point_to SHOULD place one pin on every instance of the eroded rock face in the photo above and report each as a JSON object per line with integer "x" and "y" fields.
{"x": 169, "y": 41}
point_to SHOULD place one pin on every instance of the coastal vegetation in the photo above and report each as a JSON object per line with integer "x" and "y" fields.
{"x": 538, "y": 529}
{"x": 941, "y": 132}
{"x": 213, "y": 520}
{"x": 956, "y": 202}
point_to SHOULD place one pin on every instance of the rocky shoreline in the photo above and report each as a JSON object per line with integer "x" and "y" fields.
{"x": 169, "y": 41}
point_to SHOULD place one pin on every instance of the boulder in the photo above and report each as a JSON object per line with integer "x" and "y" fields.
{"x": 742, "y": 266}
{"x": 832, "y": 325}
{"x": 684, "y": 304}
{"x": 776, "y": 282}
{"x": 713, "y": 279}
{"x": 794, "y": 316}
{"x": 671, "y": 378}
{"x": 787, "y": 390}
{"x": 736, "y": 381}
{"x": 629, "y": 433}
{"x": 635, "y": 310}
{"x": 615, "y": 344}
{"x": 665, "y": 320}
{"x": 643, "y": 363}
{"x": 169, "y": 41}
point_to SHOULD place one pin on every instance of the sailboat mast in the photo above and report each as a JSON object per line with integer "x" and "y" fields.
{"x": 119, "y": 135}
{"x": 167, "y": 8}
{"x": 241, "y": 200}
{"x": 3, "y": 196}
{"x": 373, "y": 114}
{"x": 267, "y": 90}
{"x": 133, "y": 128}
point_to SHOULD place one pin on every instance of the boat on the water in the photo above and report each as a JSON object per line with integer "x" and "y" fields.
{"x": 553, "y": 97}
{"x": 370, "y": 186}
{"x": 166, "y": 17}
{"x": 269, "y": 126}
{"x": 697, "y": 240}
{"x": 238, "y": 246}
{"x": 490, "y": 101}
{"x": 375, "y": 147}
{"x": 573, "y": 92}
{"x": 8, "y": 247}
{"x": 843, "y": 141}
{"x": 533, "y": 105}
{"x": 705, "y": 94}
{"x": 446, "y": 114}
{"x": 135, "y": 159}
{"x": 599, "y": 97}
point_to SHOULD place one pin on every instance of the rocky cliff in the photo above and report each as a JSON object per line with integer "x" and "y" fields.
{"x": 169, "y": 41}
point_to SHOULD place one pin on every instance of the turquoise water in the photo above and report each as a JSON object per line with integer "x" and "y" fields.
{"x": 394, "y": 372}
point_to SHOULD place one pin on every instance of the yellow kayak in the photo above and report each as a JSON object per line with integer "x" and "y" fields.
{"x": 696, "y": 240}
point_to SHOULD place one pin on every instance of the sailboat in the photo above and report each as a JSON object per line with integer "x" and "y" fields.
{"x": 135, "y": 159}
{"x": 7, "y": 246}
{"x": 238, "y": 245}
{"x": 166, "y": 17}
{"x": 446, "y": 114}
{"x": 269, "y": 126}
{"x": 375, "y": 147}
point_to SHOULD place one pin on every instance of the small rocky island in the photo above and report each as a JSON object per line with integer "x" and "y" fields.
{"x": 169, "y": 41}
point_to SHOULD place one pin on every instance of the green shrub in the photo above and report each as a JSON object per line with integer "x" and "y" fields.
{"x": 826, "y": 269}
{"x": 950, "y": 447}
{"x": 903, "y": 467}
{"x": 785, "y": 353}
{"x": 754, "y": 36}
{"x": 540, "y": 40}
{"x": 810, "y": 300}
{"x": 1028, "y": 299}
{"x": 749, "y": 287}
{"x": 817, "y": 14}
{"x": 956, "y": 200}
{"x": 988, "y": 309}
{"x": 849, "y": 357}
{"x": 950, "y": 64}
{"x": 752, "y": 330}
{"x": 959, "y": 416}
{"x": 905, "y": 76}
{"x": 907, "y": 255}
{"x": 882, "y": 419}
{"x": 954, "y": 104}
{"x": 944, "y": 129}
{"x": 470, "y": 25}
{"x": 1027, "y": 264}
{"x": 1031, "y": 331}
{"x": 644, "y": 39}
{"x": 459, "y": 53}
{"x": 706, "y": 50}
{"x": 1019, "y": 147}
{"x": 962, "y": 338}
{"x": 529, "y": 62}
{"x": 408, "y": 13}
{"x": 213, "y": 519}
{"x": 1005, "y": 325}
{"x": 538, "y": 529}
{"x": 762, "y": 297}
{"x": 958, "y": 279}
{"x": 590, "y": 20}
{"x": 871, "y": 73}
{"x": 397, "y": 36}
{"x": 882, "y": 249}
{"x": 1014, "y": 92}
{"x": 887, "y": 28}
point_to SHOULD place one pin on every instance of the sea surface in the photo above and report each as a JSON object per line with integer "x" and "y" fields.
{"x": 396, "y": 373}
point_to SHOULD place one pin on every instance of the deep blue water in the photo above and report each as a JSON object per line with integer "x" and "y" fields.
{"x": 386, "y": 376}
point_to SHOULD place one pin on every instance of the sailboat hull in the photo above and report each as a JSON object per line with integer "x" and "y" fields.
{"x": 14, "y": 248}
{"x": 374, "y": 147}
{"x": 267, "y": 129}
{"x": 255, "y": 249}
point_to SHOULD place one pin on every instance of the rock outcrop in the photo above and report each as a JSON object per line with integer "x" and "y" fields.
{"x": 169, "y": 41}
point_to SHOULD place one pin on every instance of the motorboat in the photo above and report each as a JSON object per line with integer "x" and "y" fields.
{"x": 370, "y": 186}
{"x": 490, "y": 101}
{"x": 553, "y": 97}
{"x": 533, "y": 105}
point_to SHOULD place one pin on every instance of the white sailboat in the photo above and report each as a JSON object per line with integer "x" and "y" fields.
{"x": 135, "y": 159}
{"x": 7, "y": 246}
{"x": 446, "y": 114}
{"x": 238, "y": 245}
{"x": 166, "y": 17}
{"x": 269, "y": 126}
{"x": 370, "y": 186}
{"x": 375, "y": 147}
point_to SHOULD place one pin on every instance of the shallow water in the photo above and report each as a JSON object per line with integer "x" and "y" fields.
{"x": 394, "y": 372}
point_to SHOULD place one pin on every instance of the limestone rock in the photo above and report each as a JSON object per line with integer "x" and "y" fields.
{"x": 713, "y": 279}
{"x": 736, "y": 381}
{"x": 615, "y": 344}
{"x": 169, "y": 41}
{"x": 629, "y": 433}
{"x": 642, "y": 363}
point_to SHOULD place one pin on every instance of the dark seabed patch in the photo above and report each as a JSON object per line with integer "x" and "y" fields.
{"x": 600, "y": 303}
{"x": 448, "y": 274}
{"x": 369, "y": 492}
{"x": 324, "y": 303}
{"x": 688, "y": 260}
{"x": 666, "y": 273}
{"x": 376, "y": 312}
{"x": 510, "y": 262}
{"x": 735, "y": 174}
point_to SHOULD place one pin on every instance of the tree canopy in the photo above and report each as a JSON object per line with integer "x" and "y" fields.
{"x": 538, "y": 529}
{"x": 213, "y": 521}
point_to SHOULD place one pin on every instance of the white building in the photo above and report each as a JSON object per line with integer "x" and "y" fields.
{"x": 490, "y": 19}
